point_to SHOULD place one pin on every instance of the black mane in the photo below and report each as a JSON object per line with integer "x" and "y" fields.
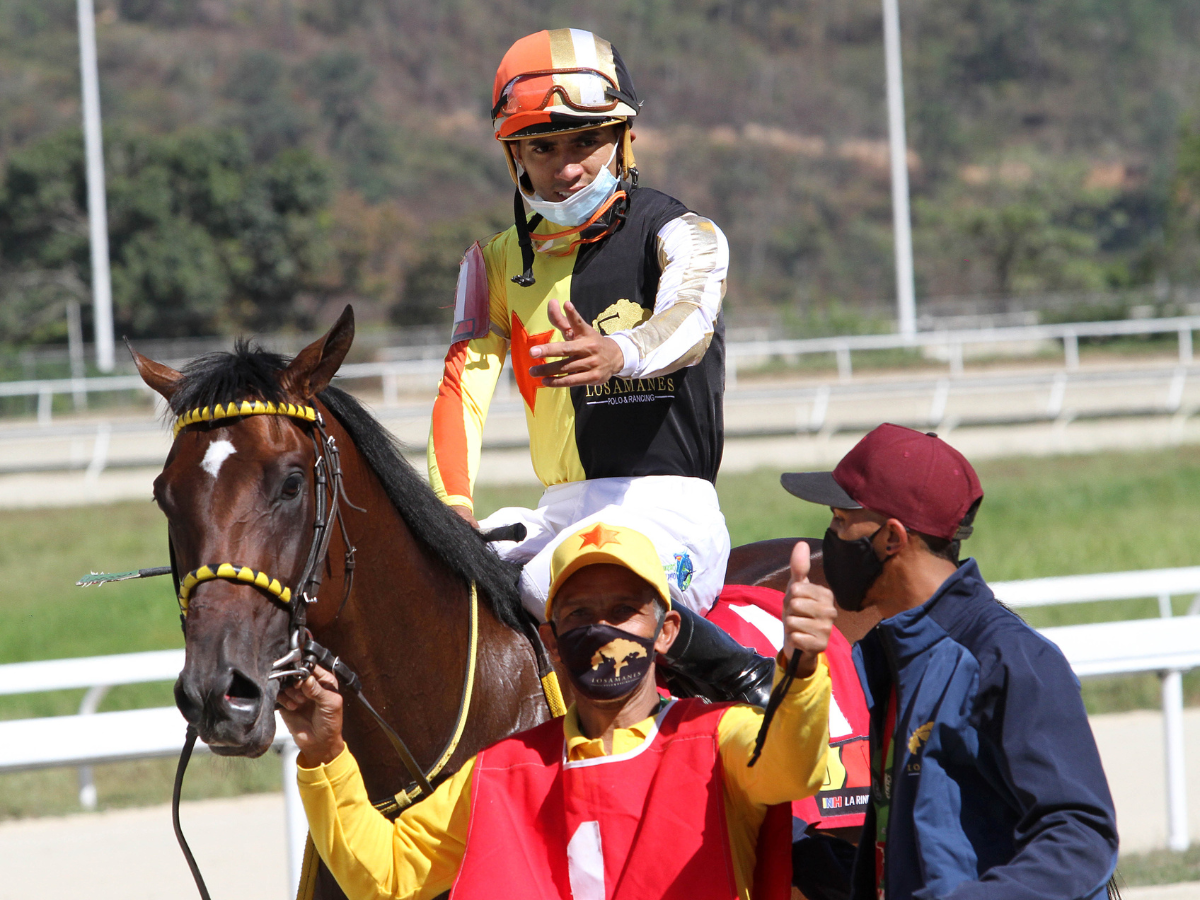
{"x": 251, "y": 372}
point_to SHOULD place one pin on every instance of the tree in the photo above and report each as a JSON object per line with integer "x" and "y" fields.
{"x": 202, "y": 238}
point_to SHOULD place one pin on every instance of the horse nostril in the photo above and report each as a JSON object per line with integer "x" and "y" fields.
{"x": 242, "y": 692}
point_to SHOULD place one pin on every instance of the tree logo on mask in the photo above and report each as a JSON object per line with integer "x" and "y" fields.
{"x": 618, "y": 652}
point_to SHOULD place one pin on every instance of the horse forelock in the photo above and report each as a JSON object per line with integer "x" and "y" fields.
{"x": 250, "y": 372}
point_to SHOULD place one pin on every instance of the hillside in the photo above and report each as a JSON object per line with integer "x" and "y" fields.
{"x": 1051, "y": 149}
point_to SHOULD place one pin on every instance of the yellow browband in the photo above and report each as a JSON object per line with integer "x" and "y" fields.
{"x": 230, "y": 572}
{"x": 243, "y": 408}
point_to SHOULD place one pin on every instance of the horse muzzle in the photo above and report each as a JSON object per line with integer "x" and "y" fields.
{"x": 232, "y": 712}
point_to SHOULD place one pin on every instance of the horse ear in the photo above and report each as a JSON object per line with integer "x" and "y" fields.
{"x": 161, "y": 378}
{"x": 314, "y": 366}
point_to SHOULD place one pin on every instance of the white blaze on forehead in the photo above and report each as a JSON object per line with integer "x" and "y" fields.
{"x": 218, "y": 452}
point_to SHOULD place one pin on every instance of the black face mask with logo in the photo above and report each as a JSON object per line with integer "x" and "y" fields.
{"x": 851, "y": 567}
{"x": 605, "y": 663}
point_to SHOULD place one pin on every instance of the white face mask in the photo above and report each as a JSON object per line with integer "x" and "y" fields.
{"x": 580, "y": 206}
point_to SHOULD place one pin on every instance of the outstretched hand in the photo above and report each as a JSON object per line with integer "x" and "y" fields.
{"x": 808, "y": 614}
{"x": 588, "y": 356}
{"x": 312, "y": 712}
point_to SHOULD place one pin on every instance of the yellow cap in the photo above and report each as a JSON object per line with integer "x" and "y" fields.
{"x": 613, "y": 544}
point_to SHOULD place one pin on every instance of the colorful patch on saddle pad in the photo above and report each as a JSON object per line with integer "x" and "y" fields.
{"x": 751, "y": 615}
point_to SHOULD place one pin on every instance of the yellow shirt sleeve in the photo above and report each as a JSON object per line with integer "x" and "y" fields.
{"x": 791, "y": 767}
{"x": 465, "y": 392}
{"x": 469, "y": 378}
{"x": 417, "y": 856}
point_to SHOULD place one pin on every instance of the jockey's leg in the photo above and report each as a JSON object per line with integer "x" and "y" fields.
{"x": 706, "y": 662}
{"x": 680, "y": 516}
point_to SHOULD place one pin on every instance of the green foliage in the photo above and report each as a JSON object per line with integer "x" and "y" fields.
{"x": 201, "y": 236}
{"x": 766, "y": 115}
{"x": 431, "y": 279}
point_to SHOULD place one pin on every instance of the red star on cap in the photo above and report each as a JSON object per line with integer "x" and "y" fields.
{"x": 599, "y": 536}
{"x": 522, "y": 340}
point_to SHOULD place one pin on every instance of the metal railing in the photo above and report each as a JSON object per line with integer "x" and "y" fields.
{"x": 954, "y": 342}
{"x": 1169, "y": 645}
{"x": 739, "y": 355}
{"x": 92, "y": 737}
{"x": 940, "y": 403}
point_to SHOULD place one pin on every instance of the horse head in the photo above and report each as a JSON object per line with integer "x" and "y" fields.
{"x": 239, "y": 489}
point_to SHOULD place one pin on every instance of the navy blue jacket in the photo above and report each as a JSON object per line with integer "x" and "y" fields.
{"x": 998, "y": 791}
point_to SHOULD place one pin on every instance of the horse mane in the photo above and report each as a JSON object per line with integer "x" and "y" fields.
{"x": 252, "y": 372}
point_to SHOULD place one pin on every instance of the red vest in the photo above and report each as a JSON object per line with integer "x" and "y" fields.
{"x": 649, "y": 823}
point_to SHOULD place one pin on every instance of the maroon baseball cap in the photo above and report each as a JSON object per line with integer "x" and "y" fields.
{"x": 900, "y": 473}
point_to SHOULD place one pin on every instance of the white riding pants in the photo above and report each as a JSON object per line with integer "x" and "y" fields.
{"x": 681, "y": 517}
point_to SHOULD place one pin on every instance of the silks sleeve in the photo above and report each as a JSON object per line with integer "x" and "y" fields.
{"x": 469, "y": 377}
{"x": 416, "y": 857}
{"x": 792, "y": 765}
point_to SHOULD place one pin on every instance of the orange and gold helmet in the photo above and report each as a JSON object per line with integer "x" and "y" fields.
{"x": 560, "y": 81}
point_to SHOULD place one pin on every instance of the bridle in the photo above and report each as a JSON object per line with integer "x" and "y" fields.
{"x": 304, "y": 652}
{"x": 329, "y": 490}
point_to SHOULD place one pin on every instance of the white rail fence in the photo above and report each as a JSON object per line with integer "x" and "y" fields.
{"x": 424, "y": 369}
{"x": 1169, "y": 645}
{"x": 90, "y": 737}
{"x": 941, "y": 403}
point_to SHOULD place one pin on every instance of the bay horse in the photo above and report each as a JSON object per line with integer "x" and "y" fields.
{"x": 241, "y": 487}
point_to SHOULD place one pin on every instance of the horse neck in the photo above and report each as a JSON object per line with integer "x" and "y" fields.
{"x": 404, "y": 629}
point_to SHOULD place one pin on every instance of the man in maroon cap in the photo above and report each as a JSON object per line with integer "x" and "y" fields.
{"x": 985, "y": 779}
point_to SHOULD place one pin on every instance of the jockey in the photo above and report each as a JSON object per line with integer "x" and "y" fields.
{"x": 629, "y": 795}
{"x": 608, "y": 298}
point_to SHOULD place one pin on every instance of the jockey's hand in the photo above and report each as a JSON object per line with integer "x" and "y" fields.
{"x": 466, "y": 513}
{"x": 808, "y": 614}
{"x": 312, "y": 712}
{"x": 588, "y": 356}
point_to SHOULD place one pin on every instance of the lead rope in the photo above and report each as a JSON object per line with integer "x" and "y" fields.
{"x": 777, "y": 695}
{"x": 188, "y": 744}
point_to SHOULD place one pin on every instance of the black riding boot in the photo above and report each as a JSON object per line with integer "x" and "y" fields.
{"x": 706, "y": 662}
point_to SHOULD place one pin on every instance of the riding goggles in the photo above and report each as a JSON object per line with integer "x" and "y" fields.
{"x": 583, "y": 90}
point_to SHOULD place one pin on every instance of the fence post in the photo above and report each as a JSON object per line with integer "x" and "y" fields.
{"x": 1071, "y": 350}
{"x": 87, "y": 785}
{"x": 845, "y": 371}
{"x": 1177, "y": 818}
{"x": 45, "y": 404}
{"x": 293, "y": 813}
{"x": 956, "y": 359}
{"x": 1185, "y": 346}
{"x": 941, "y": 396}
{"x": 99, "y": 451}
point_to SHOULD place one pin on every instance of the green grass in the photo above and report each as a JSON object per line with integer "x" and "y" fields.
{"x": 1159, "y": 867}
{"x": 1040, "y": 517}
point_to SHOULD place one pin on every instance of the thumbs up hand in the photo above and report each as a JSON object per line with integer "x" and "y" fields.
{"x": 808, "y": 614}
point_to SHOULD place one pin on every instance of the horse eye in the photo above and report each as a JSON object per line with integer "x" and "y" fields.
{"x": 292, "y": 485}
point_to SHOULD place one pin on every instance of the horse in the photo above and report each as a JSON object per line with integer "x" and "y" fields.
{"x": 404, "y": 590}
{"x": 403, "y": 584}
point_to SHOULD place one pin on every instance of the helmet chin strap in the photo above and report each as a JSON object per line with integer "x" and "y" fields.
{"x": 617, "y": 205}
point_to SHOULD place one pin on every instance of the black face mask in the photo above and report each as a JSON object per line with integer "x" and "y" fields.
{"x": 851, "y": 567}
{"x": 605, "y": 663}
